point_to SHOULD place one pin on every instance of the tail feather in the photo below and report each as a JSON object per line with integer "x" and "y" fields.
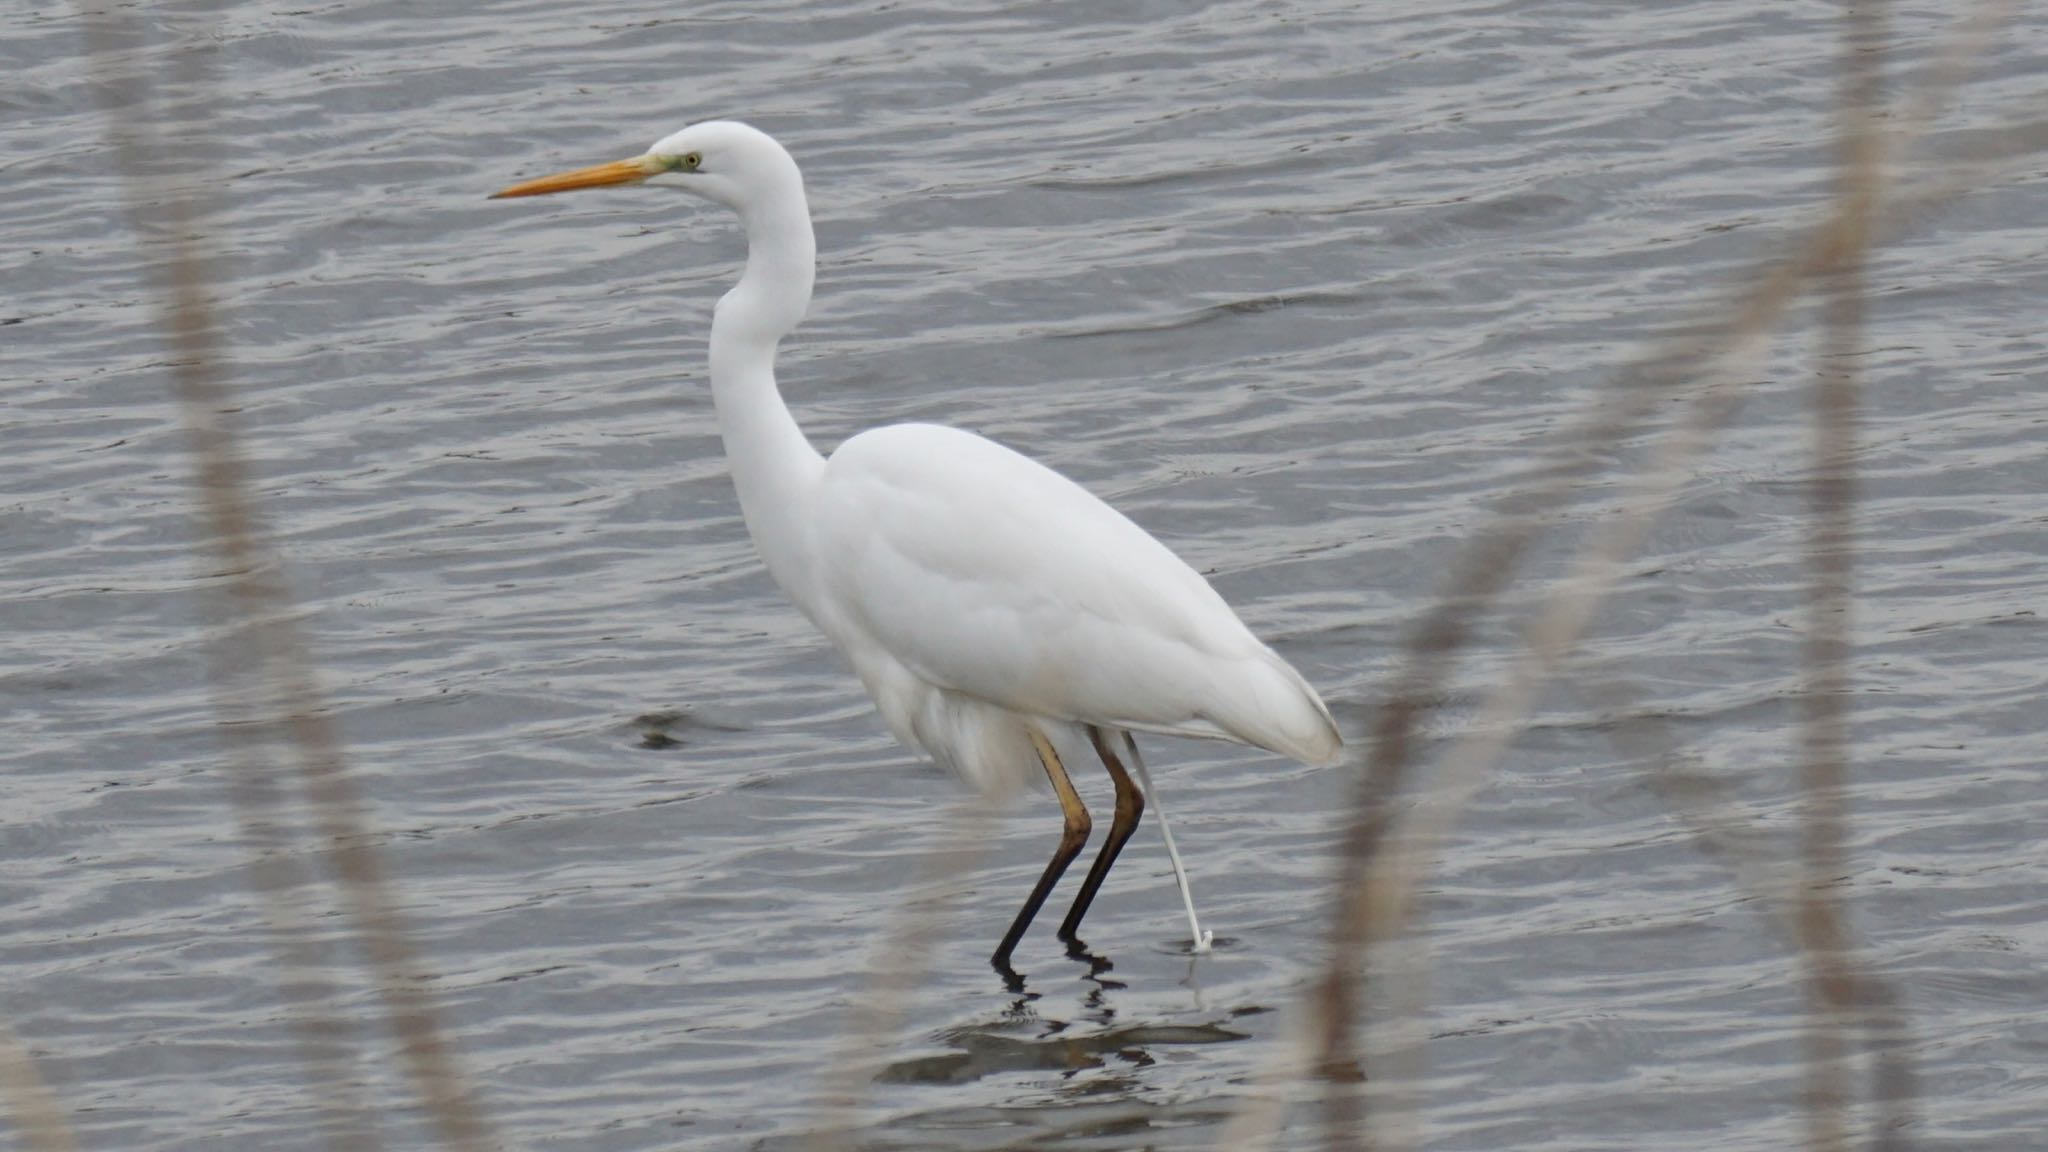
{"x": 1273, "y": 707}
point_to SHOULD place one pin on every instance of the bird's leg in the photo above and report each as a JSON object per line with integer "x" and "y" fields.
{"x": 1202, "y": 939}
{"x": 1072, "y": 837}
{"x": 1130, "y": 807}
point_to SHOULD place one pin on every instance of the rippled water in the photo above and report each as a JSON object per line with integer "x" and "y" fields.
{"x": 1301, "y": 286}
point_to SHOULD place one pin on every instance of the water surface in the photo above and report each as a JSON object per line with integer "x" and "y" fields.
{"x": 1299, "y": 286}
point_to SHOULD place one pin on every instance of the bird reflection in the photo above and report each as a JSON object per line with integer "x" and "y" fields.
{"x": 1024, "y": 1042}
{"x": 1097, "y": 1000}
{"x": 1078, "y": 950}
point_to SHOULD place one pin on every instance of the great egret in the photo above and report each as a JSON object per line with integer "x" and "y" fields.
{"x": 990, "y": 605}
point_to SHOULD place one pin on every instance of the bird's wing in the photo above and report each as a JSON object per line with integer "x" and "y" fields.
{"x": 989, "y": 574}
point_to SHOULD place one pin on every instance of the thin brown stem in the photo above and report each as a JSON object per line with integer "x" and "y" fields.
{"x": 1831, "y": 983}
{"x": 30, "y": 1104}
{"x": 276, "y": 686}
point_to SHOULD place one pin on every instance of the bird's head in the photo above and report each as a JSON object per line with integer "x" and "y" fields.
{"x": 735, "y": 164}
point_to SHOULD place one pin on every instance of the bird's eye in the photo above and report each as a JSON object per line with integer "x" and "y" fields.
{"x": 689, "y": 161}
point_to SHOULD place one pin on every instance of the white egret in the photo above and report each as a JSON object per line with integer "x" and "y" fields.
{"x": 991, "y": 606}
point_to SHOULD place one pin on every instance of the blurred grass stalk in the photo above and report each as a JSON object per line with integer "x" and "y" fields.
{"x": 1386, "y": 844}
{"x": 30, "y": 1104}
{"x": 270, "y": 704}
{"x": 897, "y": 967}
{"x": 1824, "y": 935}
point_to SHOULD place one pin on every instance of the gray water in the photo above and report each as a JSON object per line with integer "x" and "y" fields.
{"x": 1302, "y": 287}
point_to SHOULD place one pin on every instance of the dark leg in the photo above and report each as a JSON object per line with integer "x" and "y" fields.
{"x": 1130, "y": 807}
{"x": 1071, "y": 839}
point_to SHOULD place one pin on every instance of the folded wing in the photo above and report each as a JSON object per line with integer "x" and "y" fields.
{"x": 989, "y": 574}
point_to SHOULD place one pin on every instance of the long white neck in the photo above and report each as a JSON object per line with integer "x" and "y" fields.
{"x": 775, "y": 469}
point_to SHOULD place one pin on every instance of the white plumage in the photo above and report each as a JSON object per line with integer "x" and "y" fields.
{"x": 986, "y": 602}
{"x": 983, "y": 574}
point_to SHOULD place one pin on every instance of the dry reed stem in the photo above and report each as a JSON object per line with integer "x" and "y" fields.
{"x": 319, "y": 1032}
{"x": 287, "y": 693}
{"x": 1482, "y": 571}
{"x": 30, "y": 1103}
{"x": 1740, "y": 845}
{"x": 1372, "y": 895}
{"x": 898, "y": 964}
{"x": 1408, "y": 854}
{"x": 1257, "y": 1120}
{"x": 1824, "y": 946}
{"x": 1488, "y": 561}
{"x": 1694, "y": 796}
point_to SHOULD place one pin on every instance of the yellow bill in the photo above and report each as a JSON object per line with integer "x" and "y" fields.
{"x": 596, "y": 176}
